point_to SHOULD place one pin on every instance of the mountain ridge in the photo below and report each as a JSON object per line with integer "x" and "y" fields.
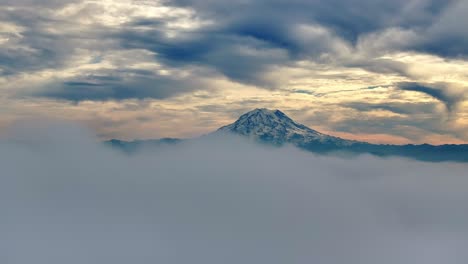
{"x": 273, "y": 127}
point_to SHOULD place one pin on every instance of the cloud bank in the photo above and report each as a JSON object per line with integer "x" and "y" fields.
{"x": 68, "y": 199}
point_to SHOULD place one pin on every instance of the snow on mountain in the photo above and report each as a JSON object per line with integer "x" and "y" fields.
{"x": 274, "y": 126}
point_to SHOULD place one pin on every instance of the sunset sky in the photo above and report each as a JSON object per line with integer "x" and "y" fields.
{"x": 375, "y": 70}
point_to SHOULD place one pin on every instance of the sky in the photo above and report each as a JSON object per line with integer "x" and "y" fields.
{"x": 66, "y": 198}
{"x": 374, "y": 70}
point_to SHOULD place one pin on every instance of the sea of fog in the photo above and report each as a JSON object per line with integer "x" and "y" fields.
{"x": 65, "y": 198}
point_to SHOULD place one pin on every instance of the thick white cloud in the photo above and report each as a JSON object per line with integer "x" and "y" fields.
{"x": 67, "y": 199}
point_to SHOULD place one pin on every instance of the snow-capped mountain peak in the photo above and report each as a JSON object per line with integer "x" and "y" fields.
{"x": 276, "y": 127}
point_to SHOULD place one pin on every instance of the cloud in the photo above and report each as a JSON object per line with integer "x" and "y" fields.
{"x": 119, "y": 85}
{"x": 348, "y": 20}
{"x": 239, "y": 58}
{"x": 244, "y": 41}
{"x": 447, "y": 36}
{"x": 398, "y": 108}
{"x": 27, "y": 47}
{"x": 69, "y": 47}
{"x": 441, "y": 93}
{"x": 68, "y": 199}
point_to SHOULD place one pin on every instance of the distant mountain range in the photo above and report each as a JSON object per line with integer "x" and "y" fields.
{"x": 273, "y": 127}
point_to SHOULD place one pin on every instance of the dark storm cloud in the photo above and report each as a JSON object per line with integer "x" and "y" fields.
{"x": 437, "y": 91}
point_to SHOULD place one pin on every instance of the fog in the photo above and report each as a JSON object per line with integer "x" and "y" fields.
{"x": 66, "y": 198}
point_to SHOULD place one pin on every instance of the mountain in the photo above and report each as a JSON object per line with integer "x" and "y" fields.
{"x": 275, "y": 128}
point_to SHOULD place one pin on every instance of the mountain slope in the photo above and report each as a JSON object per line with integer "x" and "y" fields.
{"x": 275, "y": 127}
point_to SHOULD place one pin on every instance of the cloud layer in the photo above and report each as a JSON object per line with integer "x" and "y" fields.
{"x": 68, "y": 199}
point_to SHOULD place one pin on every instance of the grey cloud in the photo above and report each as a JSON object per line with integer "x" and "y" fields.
{"x": 47, "y": 52}
{"x": 316, "y": 94}
{"x": 302, "y": 91}
{"x": 239, "y": 58}
{"x": 68, "y": 199}
{"x": 45, "y": 41}
{"x": 348, "y": 18}
{"x": 448, "y": 36}
{"x": 438, "y": 91}
{"x": 385, "y": 66}
{"x": 119, "y": 85}
{"x": 399, "y": 108}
